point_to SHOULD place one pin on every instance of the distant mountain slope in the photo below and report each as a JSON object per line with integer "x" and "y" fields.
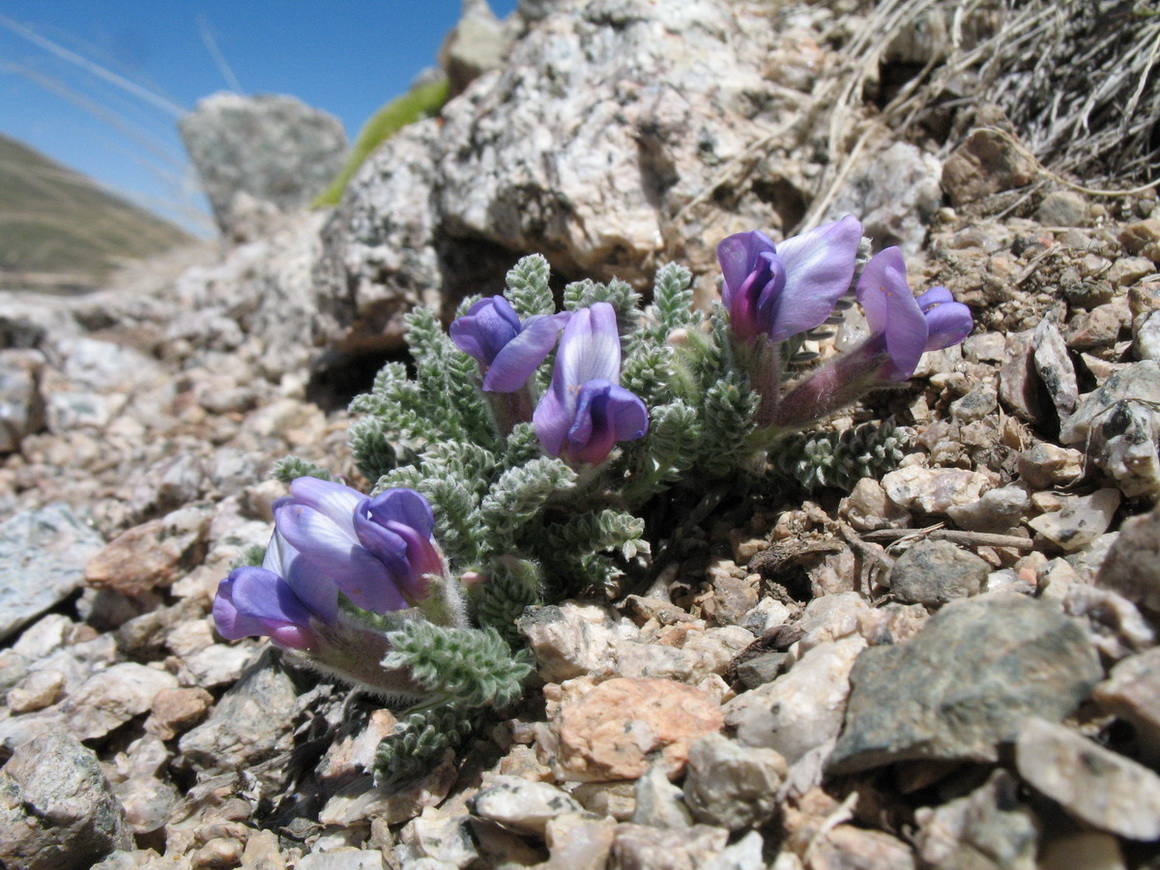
{"x": 60, "y": 230}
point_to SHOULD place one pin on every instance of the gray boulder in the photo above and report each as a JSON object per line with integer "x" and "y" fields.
{"x": 617, "y": 135}
{"x": 273, "y": 148}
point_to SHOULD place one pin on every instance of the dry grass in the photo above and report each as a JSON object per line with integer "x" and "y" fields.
{"x": 1077, "y": 79}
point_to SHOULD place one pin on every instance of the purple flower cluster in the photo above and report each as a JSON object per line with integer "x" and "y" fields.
{"x": 902, "y": 327}
{"x": 586, "y": 411}
{"x": 778, "y": 291}
{"x": 507, "y": 350}
{"x": 781, "y": 290}
{"x": 329, "y": 538}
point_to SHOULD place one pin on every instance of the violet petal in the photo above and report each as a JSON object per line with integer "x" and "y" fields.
{"x": 521, "y": 356}
{"x": 402, "y": 506}
{"x": 738, "y": 257}
{"x": 589, "y": 349}
{"x": 819, "y": 266}
{"x": 333, "y": 500}
{"x": 947, "y": 324}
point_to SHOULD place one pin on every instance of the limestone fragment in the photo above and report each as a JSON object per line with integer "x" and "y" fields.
{"x": 1097, "y": 786}
{"x": 802, "y": 709}
{"x": 935, "y": 572}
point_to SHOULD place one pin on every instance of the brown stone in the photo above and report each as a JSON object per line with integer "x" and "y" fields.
{"x": 176, "y": 710}
{"x": 1132, "y": 692}
{"x": 1141, "y": 237}
{"x": 987, "y": 163}
{"x": 151, "y": 555}
{"x": 623, "y": 726}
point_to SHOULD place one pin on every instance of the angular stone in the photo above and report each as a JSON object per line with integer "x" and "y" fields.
{"x": 799, "y": 710}
{"x": 570, "y": 640}
{"x": 1093, "y": 784}
{"x": 730, "y": 785}
{"x": 1019, "y": 386}
{"x": 440, "y": 835}
{"x": 998, "y": 510}
{"x": 1062, "y": 208}
{"x": 343, "y": 859}
{"x": 935, "y": 572}
{"x": 148, "y": 802}
{"x": 616, "y": 730}
{"x": 963, "y": 685}
{"x": 43, "y": 553}
{"x": 659, "y": 803}
{"x": 848, "y": 846}
{"x": 174, "y": 711}
{"x": 1115, "y": 626}
{"x": 21, "y": 403}
{"x": 56, "y": 807}
{"x": 112, "y": 697}
{"x": 579, "y": 842}
{"x": 40, "y": 690}
{"x": 934, "y": 490}
{"x": 250, "y": 724}
{"x": 273, "y": 147}
{"x": 1118, "y": 425}
{"x": 151, "y": 555}
{"x": 895, "y": 193}
{"x": 1054, "y": 367}
{"x": 867, "y": 508}
{"x": 1045, "y": 465}
{"x": 1132, "y": 692}
{"x": 1141, "y": 236}
{"x": 980, "y": 402}
{"x": 521, "y": 805}
{"x": 478, "y": 43}
{"x": 1132, "y": 566}
{"x": 986, "y": 163}
{"x": 1146, "y": 336}
{"x": 1081, "y": 520}
{"x": 640, "y": 847}
{"x": 991, "y": 823}
{"x": 1099, "y": 327}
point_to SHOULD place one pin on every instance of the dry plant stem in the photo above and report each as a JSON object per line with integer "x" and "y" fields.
{"x": 977, "y": 539}
{"x": 876, "y": 554}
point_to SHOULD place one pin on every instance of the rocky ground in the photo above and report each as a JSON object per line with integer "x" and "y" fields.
{"x": 952, "y": 666}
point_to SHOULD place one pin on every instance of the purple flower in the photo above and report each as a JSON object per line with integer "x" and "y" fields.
{"x": 507, "y": 350}
{"x": 281, "y": 599}
{"x": 586, "y": 411}
{"x": 378, "y": 551}
{"x": 903, "y": 327}
{"x": 782, "y": 290}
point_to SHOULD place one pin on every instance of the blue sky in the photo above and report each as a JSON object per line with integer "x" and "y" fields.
{"x": 96, "y": 85}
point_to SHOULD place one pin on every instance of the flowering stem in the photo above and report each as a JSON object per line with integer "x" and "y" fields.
{"x": 444, "y": 604}
{"x": 510, "y": 408}
{"x": 352, "y": 652}
{"x": 830, "y": 387}
{"x": 761, "y": 360}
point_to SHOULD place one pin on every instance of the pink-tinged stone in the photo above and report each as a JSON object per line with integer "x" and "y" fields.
{"x": 151, "y": 555}
{"x": 623, "y": 726}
